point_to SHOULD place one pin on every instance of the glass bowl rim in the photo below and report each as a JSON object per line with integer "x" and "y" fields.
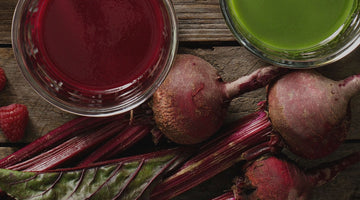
{"x": 95, "y": 111}
{"x": 340, "y": 53}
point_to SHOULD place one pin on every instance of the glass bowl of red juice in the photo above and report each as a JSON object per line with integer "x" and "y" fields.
{"x": 95, "y": 57}
{"x": 293, "y": 33}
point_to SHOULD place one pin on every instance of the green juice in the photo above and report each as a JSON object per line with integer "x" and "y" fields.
{"x": 291, "y": 24}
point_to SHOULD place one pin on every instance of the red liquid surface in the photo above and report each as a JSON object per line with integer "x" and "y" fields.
{"x": 99, "y": 44}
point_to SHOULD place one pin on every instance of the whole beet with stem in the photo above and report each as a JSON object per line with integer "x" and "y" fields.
{"x": 274, "y": 178}
{"x": 311, "y": 112}
{"x": 191, "y": 104}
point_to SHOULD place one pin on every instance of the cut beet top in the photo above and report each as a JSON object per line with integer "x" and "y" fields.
{"x": 98, "y": 44}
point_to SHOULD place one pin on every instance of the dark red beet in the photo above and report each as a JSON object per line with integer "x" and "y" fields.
{"x": 311, "y": 111}
{"x": 273, "y": 178}
{"x": 192, "y": 102}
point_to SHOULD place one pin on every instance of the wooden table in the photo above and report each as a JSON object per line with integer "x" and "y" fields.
{"x": 203, "y": 32}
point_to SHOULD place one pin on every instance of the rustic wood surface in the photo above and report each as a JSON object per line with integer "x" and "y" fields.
{"x": 202, "y": 32}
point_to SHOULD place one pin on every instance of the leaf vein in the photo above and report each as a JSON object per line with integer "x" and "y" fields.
{"x": 107, "y": 180}
{"x": 79, "y": 183}
{"x": 117, "y": 197}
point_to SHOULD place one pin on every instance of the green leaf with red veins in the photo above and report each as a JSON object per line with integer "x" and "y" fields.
{"x": 126, "y": 178}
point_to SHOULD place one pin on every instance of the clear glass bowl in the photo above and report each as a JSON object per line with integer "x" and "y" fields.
{"x": 89, "y": 102}
{"x": 340, "y": 44}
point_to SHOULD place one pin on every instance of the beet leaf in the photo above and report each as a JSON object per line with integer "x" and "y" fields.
{"x": 126, "y": 178}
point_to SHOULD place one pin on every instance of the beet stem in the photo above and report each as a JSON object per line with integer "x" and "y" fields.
{"x": 257, "y": 79}
{"x": 118, "y": 144}
{"x": 216, "y": 156}
{"x": 226, "y": 196}
{"x": 70, "y": 148}
{"x": 351, "y": 85}
{"x": 51, "y": 139}
{"x": 259, "y": 150}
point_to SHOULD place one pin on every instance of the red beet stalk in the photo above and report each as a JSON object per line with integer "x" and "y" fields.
{"x": 54, "y": 137}
{"x": 274, "y": 178}
{"x": 70, "y": 148}
{"x": 218, "y": 155}
{"x": 117, "y": 144}
{"x": 140, "y": 126}
{"x": 75, "y": 137}
{"x": 226, "y": 196}
{"x": 191, "y": 104}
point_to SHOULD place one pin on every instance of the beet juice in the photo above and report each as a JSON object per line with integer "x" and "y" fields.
{"x": 99, "y": 44}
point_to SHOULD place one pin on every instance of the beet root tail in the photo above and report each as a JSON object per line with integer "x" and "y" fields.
{"x": 328, "y": 171}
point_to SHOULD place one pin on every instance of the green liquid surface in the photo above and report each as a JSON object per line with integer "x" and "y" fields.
{"x": 291, "y": 24}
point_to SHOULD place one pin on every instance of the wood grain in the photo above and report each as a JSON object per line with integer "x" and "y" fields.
{"x": 43, "y": 116}
{"x": 6, "y": 12}
{"x": 198, "y": 20}
{"x": 201, "y": 21}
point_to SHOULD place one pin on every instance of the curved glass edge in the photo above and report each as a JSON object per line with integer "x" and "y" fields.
{"x": 96, "y": 111}
{"x": 275, "y": 59}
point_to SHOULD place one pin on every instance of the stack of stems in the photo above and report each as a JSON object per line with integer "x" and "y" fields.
{"x": 248, "y": 138}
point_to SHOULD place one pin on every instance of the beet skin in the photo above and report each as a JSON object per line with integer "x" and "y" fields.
{"x": 191, "y": 104}
{"x": 179, "y": 104}
{"x": 274, "y": 178}
{"x": 311, "y": 112}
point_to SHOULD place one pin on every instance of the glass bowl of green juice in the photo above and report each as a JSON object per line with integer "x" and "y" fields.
{"x": 293, "y": 33}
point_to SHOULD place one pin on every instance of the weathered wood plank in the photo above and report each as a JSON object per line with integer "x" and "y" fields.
{"x": 346, "y": 185}
{"x": 201, "y": 21}
{"x": 6, "y": 12}
{"x": 4, "y": 151}
{"x": 43, "y": 116}
{"x": 198, "y": 21}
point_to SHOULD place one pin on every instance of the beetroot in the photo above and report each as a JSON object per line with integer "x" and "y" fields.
{"x": 273, "y": 178}
{"x": 192, "y": 102}
{"x": 311, "y": 111}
